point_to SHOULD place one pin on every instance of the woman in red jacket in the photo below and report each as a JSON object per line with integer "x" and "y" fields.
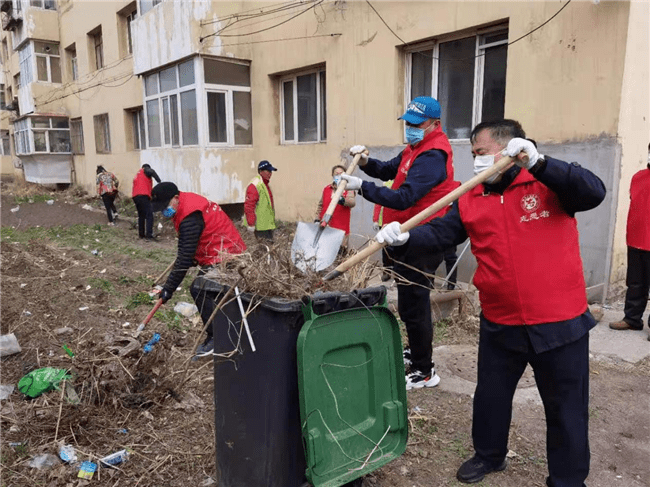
{"x": 342, "y": 213}
{"x": 141, "y": 194}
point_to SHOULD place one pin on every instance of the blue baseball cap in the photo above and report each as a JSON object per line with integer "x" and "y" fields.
{"x": 265, "y": 166}
{"x": 420, "y": 109}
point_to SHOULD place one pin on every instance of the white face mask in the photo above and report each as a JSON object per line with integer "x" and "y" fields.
{"x": 483, "y": 163}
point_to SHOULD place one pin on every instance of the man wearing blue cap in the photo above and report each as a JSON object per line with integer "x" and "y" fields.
{"x": 423, "y": 173}
{"x": 258, "y": 206}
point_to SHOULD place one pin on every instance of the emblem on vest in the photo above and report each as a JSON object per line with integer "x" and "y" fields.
{"x": 530, "y": 202}
{"x": 406, "y": 167}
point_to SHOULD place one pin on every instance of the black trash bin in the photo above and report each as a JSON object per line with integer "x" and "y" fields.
{"x": 257, "y": 411}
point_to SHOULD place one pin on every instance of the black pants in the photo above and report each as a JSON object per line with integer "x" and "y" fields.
{"x": 638, "y": 285}
{"x": 562, "y": 377}
{"x": 145, "y": 215}
{"x": 265, "y": 234}
{"x": 109, "y": 203}
{"x": 414, "y": 303}
{"x": 451, "y": 258}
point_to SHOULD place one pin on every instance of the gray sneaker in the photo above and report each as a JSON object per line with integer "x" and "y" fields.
{"x": 206, "y": 349}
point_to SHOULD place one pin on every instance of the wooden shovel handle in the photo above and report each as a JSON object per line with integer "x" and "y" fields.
{"x": 162, "y": 274}
{"x": 339, "y": 191}
{"x": 408, "y": 225}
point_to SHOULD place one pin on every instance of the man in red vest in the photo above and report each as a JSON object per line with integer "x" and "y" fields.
{"x": 206, "y": 236}
{"x": 638, "y": 253}
{"x": 423, "y": 173}
{"x": 141, "y": 194}
{"x": 531, "y": 287}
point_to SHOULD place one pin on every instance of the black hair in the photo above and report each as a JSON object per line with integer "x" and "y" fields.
{"x": 337, "y": 167}
{"x": 501, "y": 130}
{"x": 100, "y": 169}
{"x": 146, "y": 166}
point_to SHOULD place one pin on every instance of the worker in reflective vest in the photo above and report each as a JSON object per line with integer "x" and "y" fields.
{"x": 531, "y": 287}
{"x": 258, "y": 207}
{"x": 423, "y": 173}
{"x": 206, "y": 237}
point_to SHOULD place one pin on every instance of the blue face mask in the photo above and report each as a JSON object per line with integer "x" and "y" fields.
{"x": 337, "y": 179}
{"x": 169, "y": 212}
{"x": 414, "y": 135}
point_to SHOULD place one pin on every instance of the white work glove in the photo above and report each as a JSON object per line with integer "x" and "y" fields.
{"x": 354, "y": 183}
{"x": 376, "y": 226}
{"x": 392, "y": 235}
{"x": 250, "y": 229}
{"x": 518, "y": 145}
{"x": 360, "y": 149}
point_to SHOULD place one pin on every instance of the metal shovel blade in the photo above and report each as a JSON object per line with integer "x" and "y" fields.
{"x": 305, "y": 255}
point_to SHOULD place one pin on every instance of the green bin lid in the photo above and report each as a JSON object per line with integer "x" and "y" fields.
{"x": 352, "y": 393}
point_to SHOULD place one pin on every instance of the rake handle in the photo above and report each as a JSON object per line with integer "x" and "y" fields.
{"x": 413, "y": 222}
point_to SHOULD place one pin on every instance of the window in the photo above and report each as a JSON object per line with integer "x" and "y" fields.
{"x": 71, "y": 54}
{"x": 102, "y": 134}
{"x": 304, "y": 108}
{"x": 230, "y": 120}
{"x": 6, "y": 150}
{"x": 17, "y": 81}
{"x": 48, "y": 62}
{"x": 77, "y": 136}
{"x": 96, "y": 45}
{"x": 42, "y": 135}
{"x": 468, "y": 74}
{"x": 25, "y": 57}
{"x": 146, "y": 5}
{"x": 137, "y": 128}
{"x": 3, "y": 104}
{"x": 5, "y": 51}
{"x": 170, "y": 101}
{"x": 129, "y": 33}
{"x": 45, "y": 4}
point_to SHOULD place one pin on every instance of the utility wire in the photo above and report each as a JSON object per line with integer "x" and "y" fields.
{"x": 110, "y": 80}
{"x": 478, "y": 55}
{"x": 285, "y": 39}
{"x": 201, "y": 39}
{"x": 259, "y": 11}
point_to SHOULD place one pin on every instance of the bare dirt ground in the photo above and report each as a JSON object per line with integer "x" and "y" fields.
{"x": 67, "y": 278}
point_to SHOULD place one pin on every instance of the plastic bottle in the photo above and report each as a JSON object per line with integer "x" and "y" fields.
{"x": 149, "y": 346}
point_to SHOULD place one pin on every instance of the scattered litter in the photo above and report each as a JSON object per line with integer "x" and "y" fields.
{"x": 123, "y": 431}
{"x": 22, "y": 286}
{"x": 417, "y": 409}
{"x": 208, "y": 481}
{"x": 131, "y": 344}
{"x": 17, "y": 444}
{"x": 619, "y": 476}
{"x": 94, "y": 252}
{"x": 512, "y": 454}
{"x": 85, "y": 247}
{"x": 149, "y": 346}
{"x": 50, "y": 353}
{"x": 50, "y": 202}
{"x": 42, "y": 380}
{"x": 9, "y": 345}
{"x": 115, "y": 458}
{"x": 67, "y": 454}
{"x": 27, "y": 313}
{"x": 5, "y": 391}
{"x": 124, "y": 325}
{"x": 87, "y": 470}
{"x": 96, "y": 240}
{"x": 160, "y": 226}
{"x": 186, "y": 309}
{"x": 83, "y": 308}
{"x": 87, "y": 207}
{"x": 71, "y": 395}
{"x": 63, "y": 330}
{"x": 14, "y": 210}
{"x": 67, "y": 350}
{"x": 103, "y": 271}
{"x": 45, "y": 460}
{"x": 88, "y": 287}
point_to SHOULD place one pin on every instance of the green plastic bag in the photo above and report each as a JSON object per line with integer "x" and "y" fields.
{"x": 39, "y": 381}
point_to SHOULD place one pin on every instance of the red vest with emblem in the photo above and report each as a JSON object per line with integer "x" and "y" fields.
{"x": 219, "y": 234}
{"x": 341, "y": 216}
{"x": 529, "y": 266}
{"x": 142, "y": 185}
{"x": 638, "y": 218}
{"x": 435, "y": 140}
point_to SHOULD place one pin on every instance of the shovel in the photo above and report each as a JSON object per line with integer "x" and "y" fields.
{"x": 316, "y": 244}
{"x": 446, "y": 200}
{"x": 148, "y": 318}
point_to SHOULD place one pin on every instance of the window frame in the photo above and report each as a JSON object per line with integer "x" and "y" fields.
{"x": 79, "y": 137}
{"x": 24, "y": 131}
{"x": 43, "y": 4}
{"x": 129, "y": 33}
{"x": 167, "y": 95}
{"x": 72, "y": 64}
{"x": 229, "y": 92}
{"x": 152, "y": 3}
{"x": 48, "y": 62}
{"x": 319, "y": 71}
{"x": 479, "y": 65}
{"x": 26, "y": 63}
{"x": 107, "y": 133}
{"x": 4, "y": 139}
{"x": 138, "y": 124}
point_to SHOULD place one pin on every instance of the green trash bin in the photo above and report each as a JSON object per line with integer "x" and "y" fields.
{"x": 258, "y": 433}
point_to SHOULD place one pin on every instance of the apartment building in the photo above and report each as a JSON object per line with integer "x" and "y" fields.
{"x": 203, "y": 90}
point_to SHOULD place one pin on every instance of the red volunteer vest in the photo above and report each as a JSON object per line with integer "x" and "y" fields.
{"x": 529, "y": 266}
{"x": 638, "y": 218}
{"x": 341, "y": 216}
{"x": 219, "y": 234}
{"x": 435, "y": 140}
{"x": 142, "y": 185}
